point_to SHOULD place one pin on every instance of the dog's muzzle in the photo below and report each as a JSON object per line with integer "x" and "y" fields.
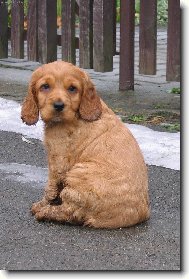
{"x": 58, "y": 106}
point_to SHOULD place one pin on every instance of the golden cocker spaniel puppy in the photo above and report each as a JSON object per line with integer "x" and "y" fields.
{"x": 97, "y": 174}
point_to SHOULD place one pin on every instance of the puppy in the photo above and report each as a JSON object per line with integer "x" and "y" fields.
{"x": 97, "y": 175}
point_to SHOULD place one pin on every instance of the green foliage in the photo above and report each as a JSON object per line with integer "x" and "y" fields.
{"x": 137, "y": 12}
{"x": 175, "y": 90}
{"x": 59, "y": 7}
{"x": 159, "y": 106}
{"x": 118, "y": 10}
{"x": 162, "y": 14}
{"x": 137, "y": 118}
{"x": 9, "y": 10}
{"x": 171, "y": 127}
{"x": 162, "y": 7}
{"x": 117, "y": 3}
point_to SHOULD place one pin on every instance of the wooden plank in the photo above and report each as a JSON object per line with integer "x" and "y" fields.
{"x": 47, "y": 31}
{"x": 148, "y": 37}
{"x": 17, "y": 29}
{"x": 77, "y": 7}
{"x": 9, "y": 34}
{"x": 59, "y": 41}
{"x": 173, "y": 41}
{"x": 68, "y": 31}
{"x": 86, "y": 34}
{"x": 127, "y": 29}
{"x": 32, "y": 34}
{"x": 103, "y": 35}
{"x": 114, "y": 26}
{"x": 3, "y": 29}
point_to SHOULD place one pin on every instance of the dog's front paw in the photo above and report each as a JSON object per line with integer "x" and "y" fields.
{"x": 37, "y": 206}
{"x": 43, "y": 213}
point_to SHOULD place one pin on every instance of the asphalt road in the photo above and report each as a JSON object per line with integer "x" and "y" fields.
{"x": 26, "y": 244}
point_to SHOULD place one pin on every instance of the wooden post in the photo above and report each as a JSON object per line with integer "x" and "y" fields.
{"x": 77, "y": 7}
{"x": 148, "y": 37}
{"x": 173, "y": 41}
{"x": 103, "y": 35}
{"x": 17, "y": 29}
{"x": 32, "y": 34}
{"x": 127, "y": 29}
{"x": 114, "y": 26}
{"x": 3, "y": 29}
{"x": 68, "y": 31}
{"x": 47, "y": 31}
{"x": 86, "y": 34}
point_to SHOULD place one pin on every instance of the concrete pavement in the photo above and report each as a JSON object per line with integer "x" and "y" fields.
{"x": 29, "y": 245}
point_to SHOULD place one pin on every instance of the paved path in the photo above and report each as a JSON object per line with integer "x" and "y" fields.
{"x": 29, "y": 245}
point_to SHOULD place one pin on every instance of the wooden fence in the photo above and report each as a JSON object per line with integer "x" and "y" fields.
{"x": 97, "y": 35}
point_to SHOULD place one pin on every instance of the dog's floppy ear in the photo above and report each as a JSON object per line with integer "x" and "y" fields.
{"x": 90, "y": 106}
{"x": 30, "y": 111}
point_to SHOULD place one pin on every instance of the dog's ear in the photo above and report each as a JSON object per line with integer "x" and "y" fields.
{"x": 90, "y": 106}
{"x": 30, "y": 111}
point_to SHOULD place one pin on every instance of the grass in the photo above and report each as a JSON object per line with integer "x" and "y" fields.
{"x": 159, "y": 106}
{"x": 171, "y": 127}
{"x": 169, "y": 121}
{"x": 134, "y": 118}
{"x": 137, "y": 118}
{"x": 175, "y": 90}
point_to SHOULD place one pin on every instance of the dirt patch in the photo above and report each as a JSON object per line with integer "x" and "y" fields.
{"x": 160, "y": 120}
{"x": 12, "y": 91}
{"x": 154, "y": 109}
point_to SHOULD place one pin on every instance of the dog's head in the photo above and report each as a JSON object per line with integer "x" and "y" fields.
{"x": 60, "y": 91}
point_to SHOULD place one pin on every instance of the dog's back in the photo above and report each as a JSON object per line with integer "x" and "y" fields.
{"x": 106, "y": 184}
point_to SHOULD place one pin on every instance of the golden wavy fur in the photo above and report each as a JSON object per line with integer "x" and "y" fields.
{"x": 97, "y": 175}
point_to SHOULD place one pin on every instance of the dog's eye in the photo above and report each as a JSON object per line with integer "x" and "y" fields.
{"x": 72, "y": 89}
{"x": 45, "y": 87}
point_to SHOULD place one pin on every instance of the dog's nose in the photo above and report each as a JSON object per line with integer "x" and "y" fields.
{"x": 58, "y": 106}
